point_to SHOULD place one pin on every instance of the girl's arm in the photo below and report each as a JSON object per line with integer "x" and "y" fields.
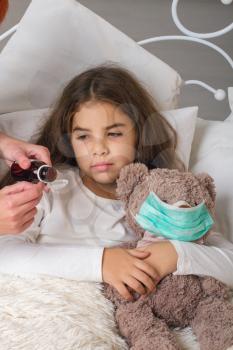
{"x": 184, "y": 258}
{"x": 21, "y": 255}
{"x": 215, "y": 258}
{"x": 23, "y": 258}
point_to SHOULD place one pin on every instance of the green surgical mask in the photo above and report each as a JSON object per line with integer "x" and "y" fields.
{"x": 183, "y": 224}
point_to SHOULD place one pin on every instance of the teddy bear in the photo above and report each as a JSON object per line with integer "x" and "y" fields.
{"x": 201, "y": 303}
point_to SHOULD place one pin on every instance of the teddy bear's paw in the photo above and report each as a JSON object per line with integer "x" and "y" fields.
{"x": 230, "y": 348}
{"x": 155, "y": 343}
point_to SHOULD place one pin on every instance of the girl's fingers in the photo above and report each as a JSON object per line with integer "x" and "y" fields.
{"x": 147, "y": 268}
{"x": 137, "y": 286}
{"x": 141, "y": 254}
{"x": 123, "y": 291}
{"x": 144, "y": 279}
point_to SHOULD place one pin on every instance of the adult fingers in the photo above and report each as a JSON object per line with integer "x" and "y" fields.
{"x": 29, "y": 216}
{"x": 19, "y": 224}
{"x": 17, "y": 187}
{"x": 25, "y": 225}
{"x": 41, "y": 153}
{"x": 22, "y": 159}
{"x": 29, "y": 151}
{"x": 30, "y": 194}
{"x": 26, "y": 208}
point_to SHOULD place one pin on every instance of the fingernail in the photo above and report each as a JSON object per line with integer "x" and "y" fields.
{"x": 25, "y": 164}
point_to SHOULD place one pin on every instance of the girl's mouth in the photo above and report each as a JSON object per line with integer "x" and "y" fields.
{"x": 101, "y": 166}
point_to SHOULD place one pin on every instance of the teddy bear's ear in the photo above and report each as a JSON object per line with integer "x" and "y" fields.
{"x": 208, "y": 182}
{"x": 130, "y": 176}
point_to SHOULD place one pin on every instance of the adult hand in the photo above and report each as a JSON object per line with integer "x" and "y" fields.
{"x": 16, "y": 150}
{"x": 17, "y": 206}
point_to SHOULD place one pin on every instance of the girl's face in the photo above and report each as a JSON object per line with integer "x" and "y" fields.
{"x": 103, "y": 139}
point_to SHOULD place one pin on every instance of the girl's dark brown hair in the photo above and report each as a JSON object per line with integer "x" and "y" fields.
{"x": 156, "y": 139}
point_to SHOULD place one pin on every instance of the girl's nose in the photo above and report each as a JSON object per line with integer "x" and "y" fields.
{"x": 100, "y": 148}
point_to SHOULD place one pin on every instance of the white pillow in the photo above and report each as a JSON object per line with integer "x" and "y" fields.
{"x": 56, "y": 40}
{"x": 183, "y": 121}
{"x": 24, "y": 124}
{"x": 212, "y": 152}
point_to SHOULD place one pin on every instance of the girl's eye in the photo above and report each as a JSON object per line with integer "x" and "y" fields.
{"x": 115, "y": 134}
{"x": 82, "y": 137}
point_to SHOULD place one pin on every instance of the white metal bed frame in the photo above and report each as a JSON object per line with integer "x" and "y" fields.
{"x": 201, "y": 38}
{"x": 219, "y": 94}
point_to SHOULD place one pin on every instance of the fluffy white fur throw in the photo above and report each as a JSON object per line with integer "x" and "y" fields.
{"x": 44, "y": 313}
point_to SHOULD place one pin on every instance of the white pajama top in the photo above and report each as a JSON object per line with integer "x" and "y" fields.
{"x": 72, "y": 227}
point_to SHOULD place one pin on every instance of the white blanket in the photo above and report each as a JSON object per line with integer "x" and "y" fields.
{"x": 44, "y": 313}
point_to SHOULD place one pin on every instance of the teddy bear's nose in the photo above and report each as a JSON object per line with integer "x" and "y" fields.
{"x": 182, "y": 204}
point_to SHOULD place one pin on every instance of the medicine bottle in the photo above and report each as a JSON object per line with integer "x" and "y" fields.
{"x": 38, "y": 171}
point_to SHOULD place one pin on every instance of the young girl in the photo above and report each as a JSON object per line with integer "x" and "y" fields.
{"x": 103, "y": 121}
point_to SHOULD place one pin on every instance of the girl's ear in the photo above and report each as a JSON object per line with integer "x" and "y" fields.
{"x": 130, "y": 176}
{"x": 208, "y": 183}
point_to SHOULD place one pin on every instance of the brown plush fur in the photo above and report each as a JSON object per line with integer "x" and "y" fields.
{"x": 178, "y": 301}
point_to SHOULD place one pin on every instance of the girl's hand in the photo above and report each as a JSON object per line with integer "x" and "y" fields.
{"x": 18, "y": 206}
{"x": 124, "y": 268}
{"x": 15, "y": 150}
{"x": 163, "y": 257}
